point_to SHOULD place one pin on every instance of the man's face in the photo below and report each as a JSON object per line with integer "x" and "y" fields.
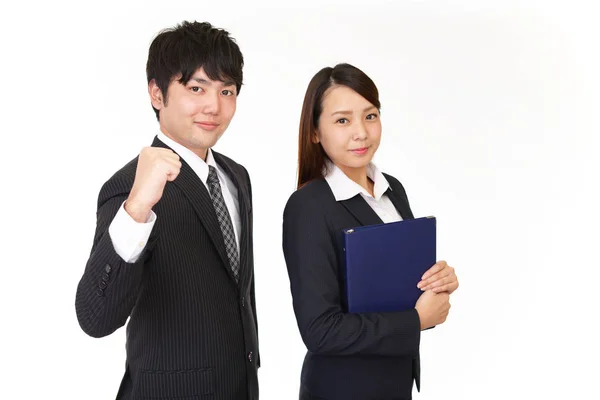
{"x": 196, "y": 113}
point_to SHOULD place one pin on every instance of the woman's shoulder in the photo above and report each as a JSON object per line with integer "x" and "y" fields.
{"x": 393, "y": 182}
{"x": 312, "y": 194}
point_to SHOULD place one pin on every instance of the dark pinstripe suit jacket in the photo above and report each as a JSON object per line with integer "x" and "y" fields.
{"x": 192, "y": 330}
{"x": 350, "y": 356}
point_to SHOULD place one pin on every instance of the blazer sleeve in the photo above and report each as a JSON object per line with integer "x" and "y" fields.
{"x": 252, "y": 286}
{"x": 311, "y": 261}
{"x": 109, "y": 286}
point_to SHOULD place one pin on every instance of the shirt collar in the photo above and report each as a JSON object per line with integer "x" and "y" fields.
{"x": 198, "y": 165}
{"x": 344, "y": 188}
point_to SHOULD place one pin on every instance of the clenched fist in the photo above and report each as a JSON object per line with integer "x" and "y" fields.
{"x": 155, "y": 167}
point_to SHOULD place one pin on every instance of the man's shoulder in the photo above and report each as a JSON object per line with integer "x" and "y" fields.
{"x": 120, "y": 183}
{"x": 229, "y": 162}
{"x": 220, "y": 157}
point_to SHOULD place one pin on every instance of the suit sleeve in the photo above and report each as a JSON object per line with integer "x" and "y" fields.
{"x": 311, "y": 261}
{"x": 252, "y": 286}
{"x": 109, "y": 286}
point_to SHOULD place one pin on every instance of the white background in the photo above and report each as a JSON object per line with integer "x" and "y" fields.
{"x": 490, "y": 116}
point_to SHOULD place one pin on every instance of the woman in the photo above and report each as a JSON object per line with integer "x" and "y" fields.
{"x": 350, "y": 356}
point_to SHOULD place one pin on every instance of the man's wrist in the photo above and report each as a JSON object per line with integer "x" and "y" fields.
{"x": 139, "y": 212}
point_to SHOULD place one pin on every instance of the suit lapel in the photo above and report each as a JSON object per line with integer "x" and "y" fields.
{"x": 400, "y": 202}
{"x": 239, "y": 180}
{"x": 365, "y": 214}
{"x": 361, "y": 211}
{"x": 195, "y": 191}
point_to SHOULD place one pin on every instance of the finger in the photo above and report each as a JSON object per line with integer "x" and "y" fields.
{"x": 436, "y": 277}
{"x": 441, "y": 289}
{"x": 450, "y": 278}
{"x": 445, "y": 272}
{"x": 438, "y": 266}
{"x": 172, "y": 173}
{"x": 173, "y": 162}
{"x": 167, "y": 154}
{"x": 170, "y": 164}
{"x": 438, "y": 283}
{"x": 171, "y": 176}
{"x": 432, "y": 271}
{"x": 162, "y": 150}
{"x": 160, "y": 154}
{"x": 171, "y": 155}
{"x": 448, "y": 288}
{"x": 161, "y": 158}
{"x": 453, "y": 287}
{"x": 441, "y": 274}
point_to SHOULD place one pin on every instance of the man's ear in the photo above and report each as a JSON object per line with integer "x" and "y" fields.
{"x": 156, "y": 96}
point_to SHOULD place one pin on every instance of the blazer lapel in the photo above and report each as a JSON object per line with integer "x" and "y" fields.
{"x": 195, "y": 191}
{"x": 400, "y": 202}
{"x": 239, "y": 180}
{"x": 361, "y": 211}
{"x": 365, "y": 214}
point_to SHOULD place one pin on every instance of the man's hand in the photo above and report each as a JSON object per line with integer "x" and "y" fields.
{"x": 156, "y": 166}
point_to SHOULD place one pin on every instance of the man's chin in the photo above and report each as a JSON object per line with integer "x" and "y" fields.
{"x": 204, "y": 142}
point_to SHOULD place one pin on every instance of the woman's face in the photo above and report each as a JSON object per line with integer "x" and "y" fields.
{"x": 349, "y": 129}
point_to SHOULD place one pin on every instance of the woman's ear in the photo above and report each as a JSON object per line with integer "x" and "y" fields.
{"x": 315, "y": 137}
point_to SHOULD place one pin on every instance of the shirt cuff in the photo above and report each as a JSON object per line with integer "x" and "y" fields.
{"x": 129, "y": 237}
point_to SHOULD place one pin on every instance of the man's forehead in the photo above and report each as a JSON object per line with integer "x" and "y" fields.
{"x": 201, "y": 76}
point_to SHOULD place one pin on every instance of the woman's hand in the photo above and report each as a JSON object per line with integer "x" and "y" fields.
{"x": 439, "y": 278}
{"x": 433, "y": 308}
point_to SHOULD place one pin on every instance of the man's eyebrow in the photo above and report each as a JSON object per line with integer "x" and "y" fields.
{"x": 207, "y": 82}
{"x": 200, "y": 80}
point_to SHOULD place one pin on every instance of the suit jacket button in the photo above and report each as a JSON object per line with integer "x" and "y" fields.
{"x": 105, "y": 277}
{"x": 102, "y": 285}
{"x": 250, "y": 356}
{"x": 100, "y": 292}
{"x": 107, "y": 268}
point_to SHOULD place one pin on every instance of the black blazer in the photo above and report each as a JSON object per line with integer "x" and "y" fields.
{"x": 350, "y": 356}
{"x": 192, "y": 329}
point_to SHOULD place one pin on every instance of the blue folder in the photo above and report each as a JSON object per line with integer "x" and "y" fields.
{"x": 382, "y": 264}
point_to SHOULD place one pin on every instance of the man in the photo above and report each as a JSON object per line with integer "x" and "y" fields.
{"x": 173, "y": 244}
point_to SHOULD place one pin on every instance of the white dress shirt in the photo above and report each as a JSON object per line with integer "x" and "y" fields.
{"x": 344, "y": 188}
{"x": 129, "y": 237}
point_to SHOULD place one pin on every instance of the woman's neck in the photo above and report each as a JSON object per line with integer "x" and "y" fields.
{"x": 359, "y": 175}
